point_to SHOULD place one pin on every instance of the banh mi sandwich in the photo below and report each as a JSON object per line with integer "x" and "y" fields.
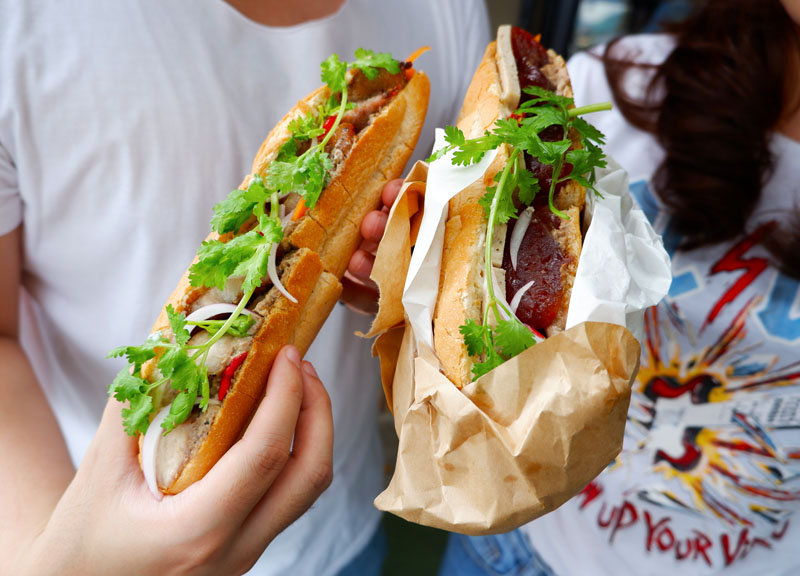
{"x": 512, "y": 241}
{"x": 269, "y": 272}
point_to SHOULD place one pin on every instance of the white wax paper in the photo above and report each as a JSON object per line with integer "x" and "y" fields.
{"x": 623, "y": 268}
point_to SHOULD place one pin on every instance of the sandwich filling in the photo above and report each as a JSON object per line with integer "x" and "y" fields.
{"x": 182, "y": 374}
{"x": 534, "y": 205}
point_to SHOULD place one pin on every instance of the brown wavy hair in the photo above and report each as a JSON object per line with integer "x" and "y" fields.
{"x": 712, "y": 105}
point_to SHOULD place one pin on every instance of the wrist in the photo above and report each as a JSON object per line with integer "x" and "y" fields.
{"x": 54, "y": 555}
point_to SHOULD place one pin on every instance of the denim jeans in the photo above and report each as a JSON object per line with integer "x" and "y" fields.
{"x": 496, "y": 555}
{"x": 369, "y": 561}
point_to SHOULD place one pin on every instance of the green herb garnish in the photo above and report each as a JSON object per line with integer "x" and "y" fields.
{"x": 515, "y": 187}
{"x": 247, "y": 254}
{"x": 308, "y": 174}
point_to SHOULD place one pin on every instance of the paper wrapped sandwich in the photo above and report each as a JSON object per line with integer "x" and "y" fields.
{"x": 506, "y": 349}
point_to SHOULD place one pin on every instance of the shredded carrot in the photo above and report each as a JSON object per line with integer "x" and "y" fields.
{"x": 409, "y": 73}
{"x": 538, "y": 38}
{"x": 416, "y": 54}
{"x": 299, "y": 211}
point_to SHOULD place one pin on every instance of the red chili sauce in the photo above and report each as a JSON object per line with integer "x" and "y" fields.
{"x": 539, "y": 258}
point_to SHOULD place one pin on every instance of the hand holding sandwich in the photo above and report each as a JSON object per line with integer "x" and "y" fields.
{"x": 107, "y": 518}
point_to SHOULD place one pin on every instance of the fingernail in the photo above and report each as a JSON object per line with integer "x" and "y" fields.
{"x": 293, "y": 355}
{"x": 308, "y": 368}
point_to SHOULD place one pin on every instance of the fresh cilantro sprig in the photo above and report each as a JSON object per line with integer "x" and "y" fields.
{"x": 240, "y": 327}
{"x": 183, "y": 367}
{"x": 510, "y": 336}
{"x": 516, "y": 186}
{"x": 309, "y": 173}
{"x": 180, "y": 365}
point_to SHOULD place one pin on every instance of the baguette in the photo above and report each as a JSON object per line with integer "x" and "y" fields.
{"x": 371, "y": 145}
{"x": 495, "y": 93}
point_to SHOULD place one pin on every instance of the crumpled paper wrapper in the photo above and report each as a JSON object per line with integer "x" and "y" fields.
{"x": 524, "y": 438}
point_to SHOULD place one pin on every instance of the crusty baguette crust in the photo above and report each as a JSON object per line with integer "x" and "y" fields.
{"x": 461, "y": 293}
{"x": 322, "y": 244}
{"x": 300, "y": 279}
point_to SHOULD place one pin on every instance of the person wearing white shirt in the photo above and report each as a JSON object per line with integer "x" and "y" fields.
{"x": 121, "y": 125}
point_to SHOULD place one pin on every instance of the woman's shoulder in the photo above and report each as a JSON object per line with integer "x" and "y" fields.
{"x": 641, "y": 49}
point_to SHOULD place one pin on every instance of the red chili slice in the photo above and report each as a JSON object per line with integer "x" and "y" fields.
{"x": 326, "y": 127}
{"x": 227, "y": 375}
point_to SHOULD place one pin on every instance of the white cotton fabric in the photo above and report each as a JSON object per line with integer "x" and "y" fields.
{"x": 121, "y": 125}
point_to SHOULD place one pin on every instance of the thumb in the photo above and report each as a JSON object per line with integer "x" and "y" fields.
{"x": 111, "y": 444}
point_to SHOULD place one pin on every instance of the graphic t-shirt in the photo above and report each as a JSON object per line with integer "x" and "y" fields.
{"x": 709, "y": 478}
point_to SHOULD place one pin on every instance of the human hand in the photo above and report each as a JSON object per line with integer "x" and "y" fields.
{"x": 108, "y": 522}
{"x": 360, "y": 292}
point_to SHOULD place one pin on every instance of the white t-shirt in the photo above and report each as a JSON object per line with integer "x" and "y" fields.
{"x": 121, "y": 125}
{"x": 709, "y": 478}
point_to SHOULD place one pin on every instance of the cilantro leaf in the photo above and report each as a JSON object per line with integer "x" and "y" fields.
{"x": 512, "y": 337}
{"x": 287, "y": 151}
{"x": 280, "y": 175}
{"x": 368, "y": 62}
{"x": 511, "y": 132}
{"x": 218, "y": 260}
{"x": 479, "y": 342}
{"x": 542, "y": 117}
{"x": 528, "y": 186}
{"x": 587, "y": 131}
{"x": 270, "y": 229}
{"x": 180, "y": 409}
{"x": 471, "y": 151}
{"x": 542, "y": 95}
{"x": 178, "y": 324}
{"x": 136, "y": 417}
{"x": 254, "y": 269}
{"x": 505, "y": 204}
{"x": 232, "y": 212}
{"x": 584, "y": 161}
{"x": 238, "y": 207}
{"x": 176, "y": 365}
{"x": 314, "y": 169}
{"x": 493, "y": 360}
{"x": 306, "y": 127}
{"x": 454, "y": 136}
{"x": 240, "y": 327}
{"x": 552, "y": 152}
{"x": 333, "y": 73}
{"x": 127, "y": 386}
{"x": 475, "y": 337}
{"x": 138, "y": 355}
{"x": 307, "y": 175}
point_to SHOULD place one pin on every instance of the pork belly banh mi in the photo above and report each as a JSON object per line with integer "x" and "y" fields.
{"x": 269, "y": 273}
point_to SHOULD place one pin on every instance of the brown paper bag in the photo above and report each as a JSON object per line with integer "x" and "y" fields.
{"x": 516, "y": 443}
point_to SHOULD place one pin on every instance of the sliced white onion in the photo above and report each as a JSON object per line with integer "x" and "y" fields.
{"x": 281, "y": 212}
{"x": 206, "y": 312}
{"x": 518, "y": 296}
{"x": 152, "y": 439}
{"x": 150, "y": 451}
{"x": 272, "y": 272}
{"x": 499, "y": 294}
{"x": 518, "y": 234}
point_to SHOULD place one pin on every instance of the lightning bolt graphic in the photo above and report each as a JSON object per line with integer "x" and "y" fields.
{"x": 732, "y": 261}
